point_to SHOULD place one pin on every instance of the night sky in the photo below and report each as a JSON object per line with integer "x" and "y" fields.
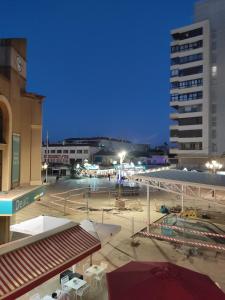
{"x": 102, "y": 65}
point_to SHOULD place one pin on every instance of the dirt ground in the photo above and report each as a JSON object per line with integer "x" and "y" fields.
{"x": 119, "y": 250}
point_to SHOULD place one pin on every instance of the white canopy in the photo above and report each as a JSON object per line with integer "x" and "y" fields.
{"x": 103, "y": 232}
{"x": 38, "y": 225}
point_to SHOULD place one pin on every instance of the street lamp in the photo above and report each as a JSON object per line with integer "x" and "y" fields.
{"x": 121, "y": 155}
{"x": 45, "y": 167}
{"x": 214, "y": 166}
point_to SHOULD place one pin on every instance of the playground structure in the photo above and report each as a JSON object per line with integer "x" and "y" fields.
{"x": 189, "y": 213}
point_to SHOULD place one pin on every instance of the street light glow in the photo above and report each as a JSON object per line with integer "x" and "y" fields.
{"x": 122, "y": 155}
{"x": 213, "y": 165}
{"x": 45, "y": 166}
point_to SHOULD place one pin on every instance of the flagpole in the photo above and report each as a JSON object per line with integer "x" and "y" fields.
{"x": 46, "y": 171}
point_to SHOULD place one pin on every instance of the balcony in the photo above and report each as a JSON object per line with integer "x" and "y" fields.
{"x": 179, "y": 151}
{"x": 177, "y": 103}
{"x": 182, "y": 115}
{"x": 174, "y": 139}
{"x": 174, "y": 127}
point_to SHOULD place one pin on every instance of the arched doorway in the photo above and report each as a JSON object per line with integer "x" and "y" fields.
{"x": 5, "y": 143}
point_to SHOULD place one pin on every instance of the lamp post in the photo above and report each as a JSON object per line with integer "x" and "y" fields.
{"x": 121, "y": 155}
{"x": 45, "y": 167}
{"x": 214, "y": 166}
{"x": 46, "y": 162}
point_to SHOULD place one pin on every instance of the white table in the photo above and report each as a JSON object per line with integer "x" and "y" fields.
{"x": 75, "y": 283}
{"x": 94, "y": 270}
{"x": 47, "y": 297}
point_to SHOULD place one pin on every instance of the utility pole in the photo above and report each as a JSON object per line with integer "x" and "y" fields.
{"x": 46, "y": 171}
{"x": 148, "y": 209}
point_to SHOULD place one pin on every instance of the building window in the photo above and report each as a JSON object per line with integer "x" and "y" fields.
{"x": 52, "y": 151}
{"x": 213, "y": 121}
{"x": 72, "y": 151}
{"x": 213, "y": 134}
{"x": 191, "y": 71}
{"x": 59, "y": 151}
{"x": 214, "y": 71}
{"x": 214, "y": 147}
{"x": 186, "y": 72}
{"x": 188, "y": 46}
{"x": 213, "y": 108}
{"x": 79, "y": 160}
{"x": 190, "y": 133}
{"x": 190, "y": 109}
{"x": 65, "y": 151}
{"x": 79, "y": 151}
{"x": 190, "y": 121}
{"x": 186, "y": 84}
{"x": 186, "y": 59}
{"x": 187, "y": 97}
{"x": 178, "y": 36}
{"x": 191, "y": 146}
{"x": 174, "y": 73}
{"x": 85, "y": 151}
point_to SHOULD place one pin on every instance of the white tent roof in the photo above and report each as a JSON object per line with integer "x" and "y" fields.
{"x": 38, "y": 225}
{"x": 101, "y": 231}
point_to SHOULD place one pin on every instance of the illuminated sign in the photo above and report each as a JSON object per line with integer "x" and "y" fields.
{"x": 12, "y": 206}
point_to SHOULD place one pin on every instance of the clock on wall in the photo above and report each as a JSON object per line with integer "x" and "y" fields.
{"x": 19, "y": 63}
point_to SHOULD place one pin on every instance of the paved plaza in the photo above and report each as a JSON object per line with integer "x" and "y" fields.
{"x": 119, "y": 250}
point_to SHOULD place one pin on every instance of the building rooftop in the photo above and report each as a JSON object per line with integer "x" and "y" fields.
{"x": 70, "y": 145}
{"x": 98, "y": 138}
{"x": 187, "y": 177}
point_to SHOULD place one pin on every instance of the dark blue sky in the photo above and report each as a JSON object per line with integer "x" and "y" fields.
{"x": 102, "y": 65}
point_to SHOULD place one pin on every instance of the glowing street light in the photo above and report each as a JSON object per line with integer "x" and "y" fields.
{"x": 44, "y": 166}
{"x": 122, "y": 155}
{"x": 214, "y": 166}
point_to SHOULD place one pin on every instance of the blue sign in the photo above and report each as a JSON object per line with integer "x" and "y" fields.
{"x": 12, "y": 206}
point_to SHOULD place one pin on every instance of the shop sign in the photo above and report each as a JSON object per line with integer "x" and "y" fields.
{"x": 27, "y": 199}
{"x": 15, "y": 159}
{"x": 12, "y": 206}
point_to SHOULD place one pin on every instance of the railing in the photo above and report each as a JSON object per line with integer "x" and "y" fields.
{"x": 79, "y": 197}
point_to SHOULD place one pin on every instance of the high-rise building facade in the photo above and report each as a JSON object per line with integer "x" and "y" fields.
{"x": 197, "y": 86}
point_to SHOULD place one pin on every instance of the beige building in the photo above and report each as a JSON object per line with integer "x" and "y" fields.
{"x": 20, "y": 135}
{"x": 197, "y": 86}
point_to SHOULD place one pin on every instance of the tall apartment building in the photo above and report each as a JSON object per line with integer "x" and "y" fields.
{"x": 197, "y": 92}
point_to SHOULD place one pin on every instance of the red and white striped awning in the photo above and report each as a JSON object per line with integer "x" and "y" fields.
{"x": 23, "y": 269}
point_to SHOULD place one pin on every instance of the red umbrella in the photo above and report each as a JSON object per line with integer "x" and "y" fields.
{"x": 160, "y": 281}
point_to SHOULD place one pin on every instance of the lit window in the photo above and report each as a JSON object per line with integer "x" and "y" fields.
{"x": 214, "y": 71}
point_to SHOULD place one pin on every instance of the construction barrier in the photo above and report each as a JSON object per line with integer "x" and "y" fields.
{"x": 203, "y": 233}
{"x": 179, "y": 241}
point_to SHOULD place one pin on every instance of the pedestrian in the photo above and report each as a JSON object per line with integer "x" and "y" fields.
{"x": 54, "y": 295}
{"x": 109, "y": 176}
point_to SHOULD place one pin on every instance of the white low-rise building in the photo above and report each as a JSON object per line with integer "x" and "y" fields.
{"x": 67, "y": 154}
